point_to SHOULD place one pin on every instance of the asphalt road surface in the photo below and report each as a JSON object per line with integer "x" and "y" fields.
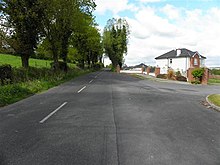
{"x": 105, "y": 118}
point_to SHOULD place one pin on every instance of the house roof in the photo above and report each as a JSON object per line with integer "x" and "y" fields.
{"x": 173, "y": 54}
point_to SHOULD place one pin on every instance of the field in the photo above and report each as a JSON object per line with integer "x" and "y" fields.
{"x": 15, "y": 61}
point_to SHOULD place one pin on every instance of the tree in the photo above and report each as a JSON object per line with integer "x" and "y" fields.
{"x": 63, "y": 19}
{"x": 115, "y": 40}
{"x": 87, "y": 40}
{"x": 23, "y": 18}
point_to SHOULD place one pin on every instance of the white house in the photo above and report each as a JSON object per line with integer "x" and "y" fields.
{"x": 179, "y": 60}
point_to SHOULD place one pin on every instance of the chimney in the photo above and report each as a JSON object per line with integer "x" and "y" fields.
{"x": 178, "y": 52}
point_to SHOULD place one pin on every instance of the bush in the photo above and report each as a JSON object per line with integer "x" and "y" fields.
{"x": 12, "y": 93}
{"x": 163, "y": 76}
{"x": 178, "y": 74}
{"x": 170, "y": 74}
{"x": 61, "y": 65}
{"x": 215, "y": 71}
{"x": 30, "y": 74}
{"x": 6, "y": 74}
{"x": 198, "y": 73}
{"x": 98, "y": 66}
{"x": 181, "y": 78}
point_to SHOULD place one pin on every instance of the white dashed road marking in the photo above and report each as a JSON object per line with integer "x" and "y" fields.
{"x": 52, "y": 113}
{"x": 81, "y": 89}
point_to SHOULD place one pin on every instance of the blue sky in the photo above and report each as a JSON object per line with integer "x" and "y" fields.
{"x": 158, "y": 26}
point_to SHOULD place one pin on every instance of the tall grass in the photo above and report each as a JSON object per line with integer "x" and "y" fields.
{"x": 27, "y": 82}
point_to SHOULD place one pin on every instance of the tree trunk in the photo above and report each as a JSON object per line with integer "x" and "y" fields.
{"x": 89, "y": 62}
{"x": 25, "y": 61}
{"x": 64, "y": 52}
{"x": 55, "y": 58}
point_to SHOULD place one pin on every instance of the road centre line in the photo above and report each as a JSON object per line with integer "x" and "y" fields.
{"x": 91, "y": 81}
{"x": 52, "y": 113}
{"x": 81, "y": 89}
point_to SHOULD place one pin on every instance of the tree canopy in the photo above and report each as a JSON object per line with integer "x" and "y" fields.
{"x": 51, "y": 26}
{"x": 115, "y": 40}
{"x": 23, "y": 18}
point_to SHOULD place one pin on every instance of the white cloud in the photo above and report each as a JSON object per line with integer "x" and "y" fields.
{"x": 114, "y": 6}
{"x": 171, "y": 12}
{"x": 156, "y": 30}
{"x": 151, "y": 1}
{"x": 153, "y": 35}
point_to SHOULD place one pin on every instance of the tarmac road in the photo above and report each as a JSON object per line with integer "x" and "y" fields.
{"x": 105, "y": 118}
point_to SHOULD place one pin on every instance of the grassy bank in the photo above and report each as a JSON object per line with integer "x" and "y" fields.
{"x": 215, "y": 99}
{"x": 32, "y": 81}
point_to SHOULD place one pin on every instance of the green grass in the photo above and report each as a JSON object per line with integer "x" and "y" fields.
{"x": 214, "y": 81}
{"x": 215, "y": 99}
{"x": 39, "y": 77}
{"x": 15, "y": 61}
{"x": 14, "y": 92}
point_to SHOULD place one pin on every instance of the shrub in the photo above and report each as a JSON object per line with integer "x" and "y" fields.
{"x": 12, "y": 93}
{"x": 181, "y": 78}
{"x": 61, "y": 65}
{"x": 163, "y": 76}
{"x": 98, "y": 66}
{"x": 170, "y": 74}
{"x": 215, "y": 71}
{"x": 198, "y": 73}
{"x": 178, "y": 74}
{"x": 6, "y": 74}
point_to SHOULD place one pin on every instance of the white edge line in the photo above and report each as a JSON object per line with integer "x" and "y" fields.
{"x": 90, "y": 81}
{"x": 52, "y": 113}
{"x": 81, "y": 89}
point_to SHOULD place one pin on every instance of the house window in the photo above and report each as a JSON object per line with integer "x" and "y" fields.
{"x": 195, "y": 61}
{"x": 171, "y": 61}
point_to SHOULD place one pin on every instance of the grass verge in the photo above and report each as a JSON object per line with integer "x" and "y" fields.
{"x": 14, "y": 92}
{"x": 215, "y": 99}
{"x": 214, "y": 81}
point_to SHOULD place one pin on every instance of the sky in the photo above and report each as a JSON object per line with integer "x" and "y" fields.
{"x": 159, "y": 26}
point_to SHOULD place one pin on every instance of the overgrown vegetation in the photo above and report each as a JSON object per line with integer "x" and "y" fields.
{"x": 29, "y": 81}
